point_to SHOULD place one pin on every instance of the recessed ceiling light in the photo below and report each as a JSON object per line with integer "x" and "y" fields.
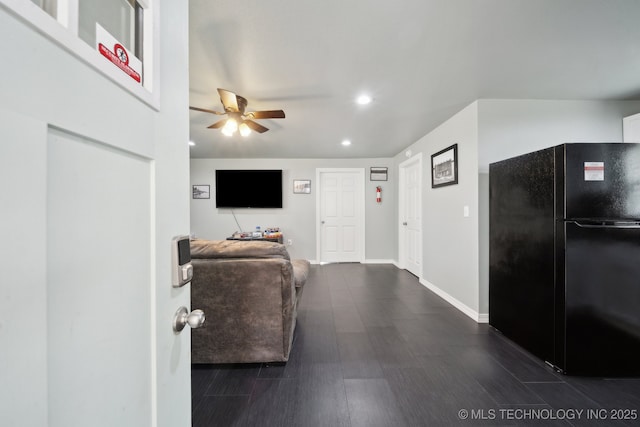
{"x": 191, "y": 143}
{"x": 346, "y": 142}
{"x": 363, "y": 99}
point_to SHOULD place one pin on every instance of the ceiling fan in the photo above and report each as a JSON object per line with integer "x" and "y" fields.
{"x": 234, "y": 107}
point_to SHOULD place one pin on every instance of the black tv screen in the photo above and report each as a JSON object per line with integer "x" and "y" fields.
{"x": 249, "y": 188}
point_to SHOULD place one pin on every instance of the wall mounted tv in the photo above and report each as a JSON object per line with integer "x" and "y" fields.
{"x": 249, "y": 188}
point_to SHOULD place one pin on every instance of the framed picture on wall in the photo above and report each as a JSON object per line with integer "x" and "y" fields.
{"x": 200, "y": 192}
{"x": 444, "y": 167}
{"x": 302, "y": 186}
{"x": 378, "y": 174}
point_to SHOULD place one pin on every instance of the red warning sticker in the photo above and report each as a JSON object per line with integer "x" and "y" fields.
{"x": 115, "y": 52}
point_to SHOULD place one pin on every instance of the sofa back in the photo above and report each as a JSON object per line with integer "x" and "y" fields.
{"x": 203, "y": 249}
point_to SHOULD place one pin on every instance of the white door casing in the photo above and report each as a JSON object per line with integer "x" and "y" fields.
{"x": 95, "y": 183}
{"x": 340, "y": 215}
{"x": 410, "y": 214}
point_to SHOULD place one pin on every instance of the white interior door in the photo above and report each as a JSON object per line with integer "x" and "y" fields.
{"x": 411, "y": 215}
{"x": 341, "y": 215}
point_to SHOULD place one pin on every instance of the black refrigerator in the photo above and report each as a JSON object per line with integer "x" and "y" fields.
{"x": 564, "y": 260}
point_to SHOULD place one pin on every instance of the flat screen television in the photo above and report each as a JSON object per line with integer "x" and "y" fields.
{"x": 259, "y": 188}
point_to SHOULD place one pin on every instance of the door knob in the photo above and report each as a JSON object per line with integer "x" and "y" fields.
{"x": 404, "y": 223}
{"x": 182, "y": 318}
{"x": 321, "y": 222}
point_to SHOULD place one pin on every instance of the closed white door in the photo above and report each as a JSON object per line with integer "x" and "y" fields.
{"x": 341, "y": 215}
{"x": 94, "y": 186}
{"x": 411, "y": 215}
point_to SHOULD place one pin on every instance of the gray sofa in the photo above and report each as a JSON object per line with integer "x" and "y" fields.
{"x": 249, "y": 291}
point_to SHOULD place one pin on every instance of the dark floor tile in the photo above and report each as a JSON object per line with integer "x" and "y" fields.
{"x": 372, "y": 404}
{"x": 347, "y": 319}
{"x": 320, "y": 398}
{"x": 201, "y": 378}
{"x": 522, "y": 364}
{"x": 391, "y": 307}
{"x": 318, "y": 343}
{"x": 390, "y": 348}
{"x": 438, "y": 397}
{"x": 372, "y": 317}
{"x": 341, "y": 297}
{"x": 357, "y": 356}
{"x": 234, "y": 380}
{"x": 272, "y": 403}
{"x": 429, "y": 341}
{"x": 221, "y": 411}
{"x": 498, "y": 382}
{"x": 619, "y": 397}
{"x": 568, "y": 403}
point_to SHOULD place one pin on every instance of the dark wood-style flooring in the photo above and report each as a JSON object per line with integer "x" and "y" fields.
{"x": 373, "y": 347}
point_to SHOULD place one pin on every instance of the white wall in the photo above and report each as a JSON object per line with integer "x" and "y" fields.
{"x": 507, "y": 128}
{"x": 297, "y": 218}
{"x": 456, "y": 249}
{"x": 450, "y": 241}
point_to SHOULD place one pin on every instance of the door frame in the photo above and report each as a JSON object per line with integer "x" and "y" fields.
{"x": 361, "y": 208}
{"x": 402, "y": 241}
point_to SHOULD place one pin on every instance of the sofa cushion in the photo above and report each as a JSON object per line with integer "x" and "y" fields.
{"x": 237, "y": 249}
{"x": 300, "y": 271}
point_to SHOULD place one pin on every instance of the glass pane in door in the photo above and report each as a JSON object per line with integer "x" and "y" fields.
{"x": 118, "y": 17}
{"x": 48, "y": 6}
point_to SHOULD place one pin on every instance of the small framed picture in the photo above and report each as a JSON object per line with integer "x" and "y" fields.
{"x": 200, "y": 192}
{"x": 302, "y": 186}
{"x": 378, "y": 174}
{"x": 444, "y": 167}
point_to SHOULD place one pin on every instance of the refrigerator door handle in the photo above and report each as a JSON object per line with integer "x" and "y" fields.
{"x": 607, "y": 224}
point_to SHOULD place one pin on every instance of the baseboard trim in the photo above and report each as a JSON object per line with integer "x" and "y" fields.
{"x": 378, "y": 261}
{"x": 478, "y": 317}
{"x": 366, "y": 261}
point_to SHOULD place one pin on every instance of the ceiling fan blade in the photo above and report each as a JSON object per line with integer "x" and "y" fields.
{"x": 270, "y": 114}
{"x": 255, "y": 126}
{"x": 204, "y": 110}
{"x": 218, "y": 124}
{"x": 229, "y": 100}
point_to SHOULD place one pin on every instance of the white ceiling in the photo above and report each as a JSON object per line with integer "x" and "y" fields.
{"x": 421, "y": 61}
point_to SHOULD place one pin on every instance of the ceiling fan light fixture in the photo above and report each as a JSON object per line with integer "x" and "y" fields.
{"x": 244, "y": 129}
{"x": 239, "y": 120}
{"x": 230, "y": 127}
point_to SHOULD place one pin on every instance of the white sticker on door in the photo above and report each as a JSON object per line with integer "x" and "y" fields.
{"x": 594, "y": 171}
